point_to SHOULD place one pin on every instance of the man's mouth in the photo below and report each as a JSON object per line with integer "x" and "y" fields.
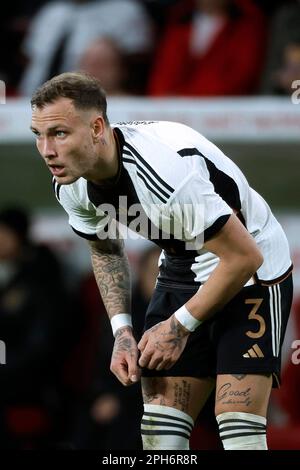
{"x": 56, "y": 170}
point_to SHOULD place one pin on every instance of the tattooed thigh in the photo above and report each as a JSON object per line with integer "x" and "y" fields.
{"x": 246, "y": 393}
{"x": 187, "y": 394}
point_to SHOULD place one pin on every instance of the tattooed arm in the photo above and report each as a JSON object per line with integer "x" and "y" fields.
{"x": 112, "y": 275}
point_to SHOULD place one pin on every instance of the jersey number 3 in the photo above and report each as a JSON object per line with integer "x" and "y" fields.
{"x": 255, "y": 316}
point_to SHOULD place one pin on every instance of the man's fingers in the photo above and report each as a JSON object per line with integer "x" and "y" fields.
{"x": 163, "y": 365}
{"x": 134, "y": 372}
{"x": 153, "y": 363}
{"x": 120, "y": 370}
{"x": 145, "y": 358}
{"x": 122, "y": 376}
{"x": 142, "y": 344}
{"x": 126, "y": 370}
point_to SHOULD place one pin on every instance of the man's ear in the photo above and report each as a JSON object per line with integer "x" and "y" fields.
{"x": 98, "y": 127}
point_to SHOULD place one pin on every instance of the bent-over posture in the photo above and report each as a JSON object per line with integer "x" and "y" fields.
{"x": 219, "y": 311}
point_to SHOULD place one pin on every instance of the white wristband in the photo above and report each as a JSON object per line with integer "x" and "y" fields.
{"x": 186, "y": 319}
{"x": 120, "y": 320}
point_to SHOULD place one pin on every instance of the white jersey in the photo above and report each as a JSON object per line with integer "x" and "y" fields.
{"x": 185, "y": 189}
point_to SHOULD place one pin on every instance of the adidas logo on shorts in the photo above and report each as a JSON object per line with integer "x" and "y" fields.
{"x": 255, "y": 351}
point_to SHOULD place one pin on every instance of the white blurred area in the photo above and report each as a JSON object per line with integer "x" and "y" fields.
{"x": 257, "y": 119}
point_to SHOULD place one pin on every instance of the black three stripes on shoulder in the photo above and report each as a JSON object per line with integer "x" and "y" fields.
{"x": 151, "y": 170}
{"x": 56, "y": 187}
{"x": 147, "y": 174}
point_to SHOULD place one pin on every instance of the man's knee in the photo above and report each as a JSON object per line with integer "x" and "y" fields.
{"x": 171, "y": 406}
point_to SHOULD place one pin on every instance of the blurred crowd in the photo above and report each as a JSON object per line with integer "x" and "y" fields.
{"x": 56, "y": 388}
{"x": 154, "y": 47}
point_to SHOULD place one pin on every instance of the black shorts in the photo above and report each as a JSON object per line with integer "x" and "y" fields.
{"x": 244, "y": 338}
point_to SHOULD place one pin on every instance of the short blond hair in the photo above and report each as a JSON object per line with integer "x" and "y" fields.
{"x": 83, "y": 89}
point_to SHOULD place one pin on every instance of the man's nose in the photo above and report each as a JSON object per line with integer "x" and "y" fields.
{"x": 47, "y": 149}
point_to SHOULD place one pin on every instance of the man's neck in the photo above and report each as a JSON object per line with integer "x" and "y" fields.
{"x": 109, "y": 163}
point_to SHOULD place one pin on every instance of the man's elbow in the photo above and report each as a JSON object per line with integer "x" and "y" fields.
{"x": 255, "y": 260}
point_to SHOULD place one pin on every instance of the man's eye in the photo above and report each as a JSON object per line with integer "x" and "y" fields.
{"x": 60, "y": 133}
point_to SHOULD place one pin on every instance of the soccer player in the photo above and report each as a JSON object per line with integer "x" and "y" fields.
{"x": 219, "y": 311}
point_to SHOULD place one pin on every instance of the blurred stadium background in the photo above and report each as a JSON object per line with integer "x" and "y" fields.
{"x": 259, "y": 130}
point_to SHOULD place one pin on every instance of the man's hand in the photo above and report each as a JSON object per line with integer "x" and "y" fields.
{"x": 162, "y": 345}
{"x": 124, "y": 357}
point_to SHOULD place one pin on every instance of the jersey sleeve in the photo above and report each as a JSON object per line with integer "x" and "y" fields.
{"x": 86, "y": 221}
{"x": 198, "y": 208}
